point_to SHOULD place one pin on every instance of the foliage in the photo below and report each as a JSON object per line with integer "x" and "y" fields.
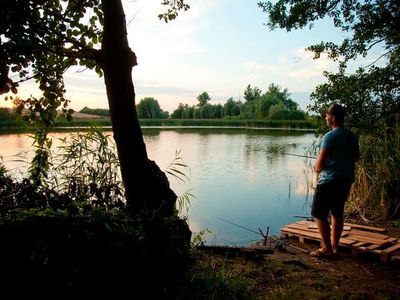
{"x": 198, "y": 238}
{"x": 232, "y": 108}
{"x": 184, "y": 111}
{"x": 256, "y": 106}
{"x": 46, "y": 253}
{"x": 6, "y": 114}
{"x": 84, "y": 175}
{"x": 203, "y": 99}
{"x": 47, "y": 39}
{"x": 95, "y": 111}
{"x": 371, "y": 94}
{"x": 74, "y": 232}
{"x": 86, "y": 165}
{"x": 179, "y": 170}
{"x": 251, "y": 94}
{"x": 376, "y": 194}
{"x": 174, "y": 7}
{"x": 149, "y": 108}
{"x": 43, "y": 39}
{"x": 39, "y": 116}
{"x": 232, "y": 122}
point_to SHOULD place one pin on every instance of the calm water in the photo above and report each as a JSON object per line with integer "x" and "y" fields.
{"x": 240, "y": 178}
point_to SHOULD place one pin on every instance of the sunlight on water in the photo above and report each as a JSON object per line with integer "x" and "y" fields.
{"x": 240, "y": 178}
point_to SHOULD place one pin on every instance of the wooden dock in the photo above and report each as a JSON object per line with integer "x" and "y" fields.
{"x": 358, "y": 238}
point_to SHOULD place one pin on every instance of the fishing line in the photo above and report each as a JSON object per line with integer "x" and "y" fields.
{"x": 248, "y": 229}
{"x": 253, "y": 231}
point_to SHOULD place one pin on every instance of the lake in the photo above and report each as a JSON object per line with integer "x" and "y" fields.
{"x": 243, "y": 180}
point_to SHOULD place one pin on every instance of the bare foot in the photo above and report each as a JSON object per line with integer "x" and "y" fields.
{"x": 322, "y": 253}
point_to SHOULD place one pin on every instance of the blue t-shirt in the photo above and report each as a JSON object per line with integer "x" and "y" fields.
{"x": 342, "y": 146}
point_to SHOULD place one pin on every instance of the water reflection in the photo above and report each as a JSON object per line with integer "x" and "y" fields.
{"x": 239, "y": 175}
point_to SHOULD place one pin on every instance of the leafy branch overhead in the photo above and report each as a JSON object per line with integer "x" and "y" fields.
{"x": 41, "y": 39}
{"x": 371, "y": 94}
{"x": 371, "y": 29}
{"x": 173, "y": 7}
{"x": 370, "y": 23}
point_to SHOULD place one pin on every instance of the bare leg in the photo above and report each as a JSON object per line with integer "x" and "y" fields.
{"x": 325, "y": 231}
{"x": 337, "y": 228}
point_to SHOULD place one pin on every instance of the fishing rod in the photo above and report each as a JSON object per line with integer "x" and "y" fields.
{"x": 298, "y": 155}
{"x": 265, "y": 236}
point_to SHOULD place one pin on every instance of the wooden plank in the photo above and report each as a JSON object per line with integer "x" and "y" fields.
{"x": 392, "y": 249}
{"x": 301, "y": 233}
{"x": 352, "y": 225}
{"x": 392, "y": 240}
{"x": 358, "y": 244}
{"x": 378, "y": 229}
{"x": 373, "y": 247}
{"x": 311, "y": 234}
{"x": 361, "y": 238}
{"x": 373, "y": 235}
{"x": 314, "y": 226}
{"x": 346, "y": 242}
{"x": 305, "y": 222}
{"x": 301, "y": 227}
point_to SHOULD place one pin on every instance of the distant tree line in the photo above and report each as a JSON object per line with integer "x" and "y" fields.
{"x": 95, "y": 111}
{"x": 7, "y": 114}
{"x": 274, "y": 104}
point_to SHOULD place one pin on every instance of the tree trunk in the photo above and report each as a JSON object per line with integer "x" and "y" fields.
{"x": 146, "y": 186}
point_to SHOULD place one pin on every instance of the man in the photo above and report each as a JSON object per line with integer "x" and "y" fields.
{"x": 339, "y": 150}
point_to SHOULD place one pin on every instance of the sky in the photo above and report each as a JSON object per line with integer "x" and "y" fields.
{"x": 218, "y": 46}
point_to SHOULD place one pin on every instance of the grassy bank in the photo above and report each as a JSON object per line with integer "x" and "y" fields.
{"x": 106, "y": 122}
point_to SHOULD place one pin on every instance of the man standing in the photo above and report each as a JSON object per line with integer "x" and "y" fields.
{"x": 339, "y": 150}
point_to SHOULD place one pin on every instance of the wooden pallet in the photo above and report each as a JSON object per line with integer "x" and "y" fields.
{"x": 358, "y": 238}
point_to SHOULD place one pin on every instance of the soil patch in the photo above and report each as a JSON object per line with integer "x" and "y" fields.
{"x": 291, "y": 273}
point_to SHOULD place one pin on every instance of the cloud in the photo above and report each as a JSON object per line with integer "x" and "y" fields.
{"x": 302, "y": 65}
{"x": 295, "y": 70}
{"x": 204, "y": 49}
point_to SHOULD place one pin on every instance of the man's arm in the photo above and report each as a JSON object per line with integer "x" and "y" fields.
{"x": 321, "y": 160}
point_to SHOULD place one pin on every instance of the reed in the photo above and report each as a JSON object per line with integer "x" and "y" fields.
{"x": 375, "y": 195}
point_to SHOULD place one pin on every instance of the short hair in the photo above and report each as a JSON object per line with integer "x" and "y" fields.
{"x": 337, "y": 111}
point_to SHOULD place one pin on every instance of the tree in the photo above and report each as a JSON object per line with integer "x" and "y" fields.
{"x": 149, "y": 108}
{"x": 370, "y": 26}
{"x": 178, "y": 113}
{"x": 264, "y": 103}
{"x": 231, "y": 108}
{"x": 203, "y": 99}
{"x": 371, "y": 94}
{"x": 6, "y": 114}
{"x": 42, "y": 39}
{"x": 95, "y": 111}
{"x": 251, "y": 94}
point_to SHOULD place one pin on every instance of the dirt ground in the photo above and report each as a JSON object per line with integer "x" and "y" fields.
{"x": 356, "y": 277}
{"x": 363, "y": 276}
{"x": 291, "y": 273}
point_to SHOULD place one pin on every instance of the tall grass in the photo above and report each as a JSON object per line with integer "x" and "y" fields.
{"x": 375, "y": 196}
{"x": 90, "y": 159}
